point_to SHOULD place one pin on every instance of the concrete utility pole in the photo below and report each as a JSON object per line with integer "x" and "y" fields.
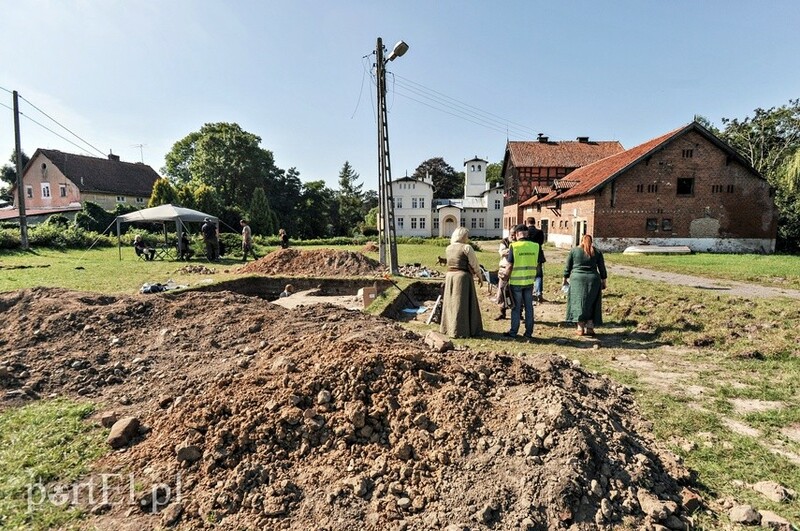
{"x": 23, "y": 222}
{"x": 386, "y": 227}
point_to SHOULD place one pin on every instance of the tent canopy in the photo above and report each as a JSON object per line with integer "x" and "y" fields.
{"x": 165, "y": 213}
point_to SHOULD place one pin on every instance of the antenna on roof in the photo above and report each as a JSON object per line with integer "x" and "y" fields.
{"x": 141, "y": 151}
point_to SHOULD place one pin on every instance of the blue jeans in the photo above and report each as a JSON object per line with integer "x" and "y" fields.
{"x": 523, "y": 295}
{"x": 537, "y": 286}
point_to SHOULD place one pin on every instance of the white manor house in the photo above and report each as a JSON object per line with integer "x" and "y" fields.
{"x": 417, "y": 213}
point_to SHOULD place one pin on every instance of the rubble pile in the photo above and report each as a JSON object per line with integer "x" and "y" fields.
{"x": 324, "y": 418}
{"x": 318, "y": 262}
{"x": 419, "y": 271}
{"x": 196, "y": 269}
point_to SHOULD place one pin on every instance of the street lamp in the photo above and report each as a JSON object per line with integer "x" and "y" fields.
{"x": 386, "y": 227}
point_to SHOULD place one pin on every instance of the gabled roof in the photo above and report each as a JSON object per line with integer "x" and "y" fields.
{"x": 561, "y": 154}
{"x": 476, "y": 159}
{"x": 408, "y": 179}
{"x": 590, "y": 178}
{"x": 92, "y": 174}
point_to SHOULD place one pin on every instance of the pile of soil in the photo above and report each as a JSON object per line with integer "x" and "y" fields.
{"x": 319, "y": 263}
{"x": 370, "y": 247}
{"x": 324, "y": 418}
{"x": 196, "y": 269}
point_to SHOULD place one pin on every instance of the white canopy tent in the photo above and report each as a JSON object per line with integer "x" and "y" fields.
{"x": 163, "y": 214}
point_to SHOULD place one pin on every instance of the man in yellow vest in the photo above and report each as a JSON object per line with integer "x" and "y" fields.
{"x": 523, "y": 255}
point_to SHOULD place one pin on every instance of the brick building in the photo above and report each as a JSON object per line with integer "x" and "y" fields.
{"x": 686, "y": 187}
{"x": 531, "y": 169}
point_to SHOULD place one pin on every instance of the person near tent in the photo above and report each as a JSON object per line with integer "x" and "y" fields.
{"x": 185, "y": 247}
{"x": 142, "y": 249}
{"x": 209, "y": 231}
{"x": 247, "y": 241}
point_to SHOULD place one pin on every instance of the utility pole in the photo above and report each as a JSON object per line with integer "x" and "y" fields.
{"x": 387, "y": 242}
{"x": 23, "y": 222}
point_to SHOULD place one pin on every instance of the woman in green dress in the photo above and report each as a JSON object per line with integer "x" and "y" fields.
{"x": 461, "y": 315}
{"x": 585, "y": 274}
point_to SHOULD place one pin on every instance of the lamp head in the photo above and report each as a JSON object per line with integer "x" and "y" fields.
{"x": 399, "y": 49}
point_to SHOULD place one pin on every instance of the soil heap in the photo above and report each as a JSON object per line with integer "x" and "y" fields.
{"x": 328, "y": 419}
{"x": 318, "y": 262}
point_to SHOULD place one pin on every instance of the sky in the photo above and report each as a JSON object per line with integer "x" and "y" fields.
{"x": 135, "y": 76}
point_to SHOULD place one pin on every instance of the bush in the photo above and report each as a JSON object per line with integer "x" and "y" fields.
{"x": 58, "y": 220}
{"x": 9, "y": 238}
{"x": 71, "y": 237}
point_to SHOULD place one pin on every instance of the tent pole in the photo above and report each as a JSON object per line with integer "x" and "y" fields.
{"x": 119, "y": 241}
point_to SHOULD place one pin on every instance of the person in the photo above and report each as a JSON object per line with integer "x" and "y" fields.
{"x": 209, "y": 231}
{"x": 585, "y": 274}
{"x": 288, "y": 290}
{"x": 141, "y": 248}
{"x": 502, "y": 276}
{"x": 185, "y": 247}
{"x": 523, "y": 255}
{"x": 247, "y": 241}
{"x": 537, "y": 236}
{"x": 461, "y": 315}
{"x": 284, "y": 239}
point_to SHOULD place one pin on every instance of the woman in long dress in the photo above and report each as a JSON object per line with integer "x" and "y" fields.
{"x": 461, "y": 315}
{"x": 585, "y": 273}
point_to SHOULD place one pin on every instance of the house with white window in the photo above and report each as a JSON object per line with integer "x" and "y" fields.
{"x": 480, "y": 210}
{"x": 57, "y": 182}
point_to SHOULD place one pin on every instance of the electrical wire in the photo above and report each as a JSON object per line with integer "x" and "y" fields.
{"x": 361, "y": 90}
{"x": 62, "y": 126}
{"x": 9, "y": 91}
{"x": 83, "y": 150}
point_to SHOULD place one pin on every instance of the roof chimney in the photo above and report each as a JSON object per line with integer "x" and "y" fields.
{"x": 541, "y": 138}
{"x": 583, "y": 139}
{"x": 111, "y": 156}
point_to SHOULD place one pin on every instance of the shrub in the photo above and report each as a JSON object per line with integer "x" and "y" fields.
{"x": 9, "y": 238}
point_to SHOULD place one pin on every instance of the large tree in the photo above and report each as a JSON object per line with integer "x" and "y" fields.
{"x": 493, "y": 173}
{"x": 770, "y": 141}
{"x": 446, "y": 181}
{"x": 318, "y": 207}
{"x": 224, "y": 157}
{"x": 349, "y": 200}
{"x": 8, "y": 173}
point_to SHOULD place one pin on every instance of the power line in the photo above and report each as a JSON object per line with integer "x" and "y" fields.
{"x": 48, "y": 129}
{"x": 9, "y": 91}
{"x": 62, "y": 126}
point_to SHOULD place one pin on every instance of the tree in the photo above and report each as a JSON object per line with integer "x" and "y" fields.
{"x": 770, "y": 141}
{"x": 493, "y": 173}
{"x": 163, "y": 193}
{"x": 349, "y": 200}
{"x": 224, "y": 157}
{"x": 262, "y": 219}
{"x": 317, "y": 206}
{"x": 8, "y": 173}
{"x": 446, "y": 183}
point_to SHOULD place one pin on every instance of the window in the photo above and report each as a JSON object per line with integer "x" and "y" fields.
{"x": 666, "y": 224}
{"x": 140, "y": 200}
{"x": 400, "y": 223}
{"x": 652, "y": 188}
{"x": 473, "y": 167}
{"x": 687, "y": 153}
{"x": 497, "y": 205}
{"x": 413, "y": 223}
{"x": 685, "y": 186}
{"x": 421, "y": 223}
{"x": 422, "y": 202}
{"x": 496, "y": 223}
{"x": 479, "y": 167}
{"x": 398, "y": 202}
{"x": 413, "y": 202}
{"x": 730, "y": 189}
{"x": 436, "y": 223}
{"x": 120, "y": 199}
{"x": 473, "y": 223}
{"x": 45, "y": 190}
{"x": 29, "y": 192}
{"x": 716, "y": 188}
{"x": 640, "y": 188}
{"x": 481, "y": 223}
{"x": 463, "y": 222}
{"x": 63, "y": 190}
{"x": 652, "y": 224}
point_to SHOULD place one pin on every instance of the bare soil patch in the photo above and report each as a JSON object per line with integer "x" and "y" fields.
{"x": 323, "y": 418}
{"x": 318, "y": 262}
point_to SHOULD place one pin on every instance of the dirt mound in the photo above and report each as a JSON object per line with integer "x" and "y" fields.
{"x": 319, "y": 262}
{"x": 370, "y": 247}
{"x": 324, "y": 418}
{"x": 196, "y": 269}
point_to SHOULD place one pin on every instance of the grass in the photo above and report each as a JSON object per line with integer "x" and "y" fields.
{"x": 40, "y": 444}
{"x": 730, "y": 348}
{"x": 768, "y": 270}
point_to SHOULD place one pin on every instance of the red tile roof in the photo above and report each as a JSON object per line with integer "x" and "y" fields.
{"x": 561, "y": 154}
{"x": 590, "y": 178}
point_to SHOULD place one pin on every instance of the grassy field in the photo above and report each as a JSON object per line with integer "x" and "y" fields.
{"x": 716, "y": 375}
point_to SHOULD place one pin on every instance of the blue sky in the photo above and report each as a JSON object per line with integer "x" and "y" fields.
{"x": 124, "y": 73}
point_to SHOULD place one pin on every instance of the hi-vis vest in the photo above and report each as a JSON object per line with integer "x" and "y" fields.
{"x": 526, "y": 258}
